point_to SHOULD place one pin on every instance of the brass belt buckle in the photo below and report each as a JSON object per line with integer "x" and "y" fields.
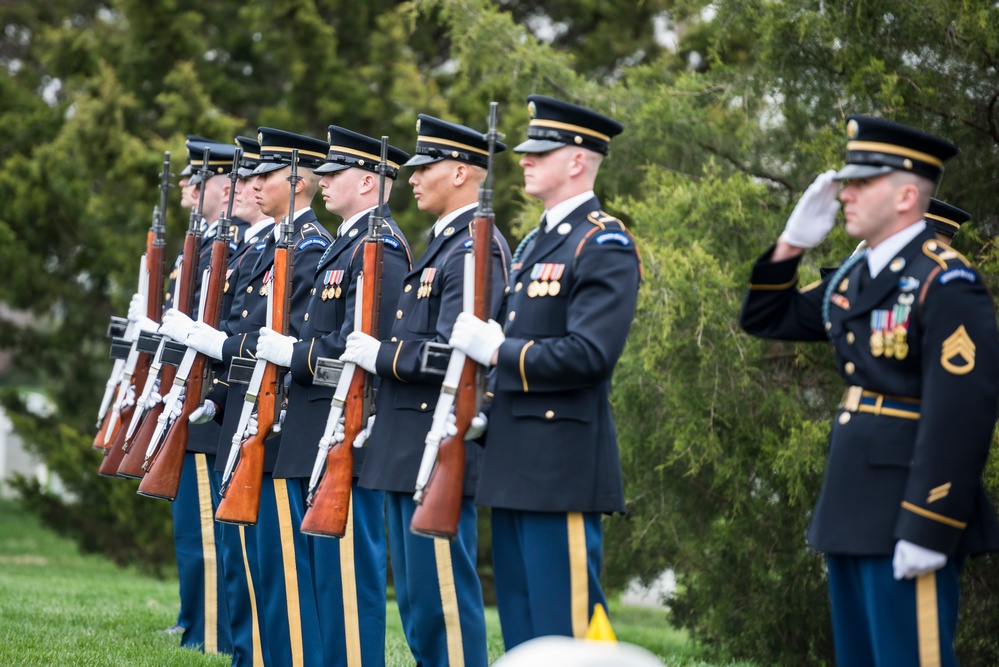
{"x": 851, "y": 398}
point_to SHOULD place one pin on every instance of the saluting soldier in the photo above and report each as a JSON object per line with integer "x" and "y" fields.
{"x": 350, "y": 572}
{"x": 551, "y": 466}
{"x": 436, "y": 585}
{"x": 280, "y": 554}
{"x": 915, "y": 337}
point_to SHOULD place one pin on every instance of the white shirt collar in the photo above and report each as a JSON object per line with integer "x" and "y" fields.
{"x": 256, "y": 227}
{"x": 349, "y": 222}
{"x": 560, "y": 211}
{"x": 449, "y": 218}
{"x": 298, "y": 214}
{"x": 879, "y": 256}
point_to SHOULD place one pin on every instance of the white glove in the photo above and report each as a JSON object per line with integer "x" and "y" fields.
{"x": 252, "y": 425}
{"x": 365, "y": 433}
{"x": 152, "y": 400}
{"x": 475, "y": 429}
{"x": 129, "y": 399}
{"x": 176, "y": 325}
{"x": 362, "y": 435}
{"x": 136, "y": 307}
{"x": 273, "y": 347}
{"x": 814, "y": 215}
{"x": 206, "y": 340}
{"x": 204, "y": 414}
{"x": 912, "y": 560}
{"x": 477, "y": 339}
{"x": 362, "y": 350}
{"x": 147, "y": 325}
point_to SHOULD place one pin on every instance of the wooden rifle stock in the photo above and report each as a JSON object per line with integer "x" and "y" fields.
{"x": 241, "y": 501}
{"x": 330, "y": 504}
{"x": 439, "y": 511}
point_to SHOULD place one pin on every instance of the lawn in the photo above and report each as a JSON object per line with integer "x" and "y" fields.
{"x": 58, "y": 607}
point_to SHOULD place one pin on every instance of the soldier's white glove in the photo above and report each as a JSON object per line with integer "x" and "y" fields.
{"x": 475, "y": 429}
{"x": 814, "y": 215}
{"x": 362, "y": 435}
{"x": 206, "y": 339}
{"x": 252, "y": 425}
{"x": 128, "y": 400}
{"x": 204, "y": 414}
{"x": 477, "y": 339}
{"x": 176, "y": 325}
{"x": 362, "y": 350}
{"x": 136, "y": 307}
{"x": 911, "y": 560}
{"x": 273, "y": 347}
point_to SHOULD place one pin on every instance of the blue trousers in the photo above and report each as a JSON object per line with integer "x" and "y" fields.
{"x": 437, "y": 588}
{"x": 880, "y": 622}
{"x": 547, "y": 571}
{"x": 282, "y": 555}
{"x": 248, "y": 644}
{"x": 350, "y": 576}
{"x": 203, "y": 606}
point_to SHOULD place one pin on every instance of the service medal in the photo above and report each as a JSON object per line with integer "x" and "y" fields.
{"x": 326, "y": 293}
{"x": 901, "y": 350}
{"x": 338, "y": 293}
{"x": 543, "y": 288}
{"x": 532, "y": 289}
{"x": 554, "y": 287}
{"x": 889, "y": 344}
{"x": 877, "y": 343}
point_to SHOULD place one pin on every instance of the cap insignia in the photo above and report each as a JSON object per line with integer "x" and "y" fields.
{"x": 532, "y": 111}
{"x": 852, "y": 128}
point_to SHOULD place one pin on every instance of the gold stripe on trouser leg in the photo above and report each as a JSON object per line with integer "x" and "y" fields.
{"x": 258, "y": 656}
{"x": 449, "y": 602}
{"x": 207, "y": 515}
{"x": 927, "y": 621}
{"x": 290, "y": 571}
{"x": 578, "y": 578}
{"x": 348, "y": 583}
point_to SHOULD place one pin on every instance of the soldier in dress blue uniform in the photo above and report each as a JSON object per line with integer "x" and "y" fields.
{"x": 351, "y": 572}
{"x": 436, "y": 585}
{"x": 946, "y": 219}
{"x": 249, "y": 226}
{"x": 915, "y": 337}
{"x": 280, "y": 554}
{"x": 199, "y": 561}
{"x": 551, "y": 464}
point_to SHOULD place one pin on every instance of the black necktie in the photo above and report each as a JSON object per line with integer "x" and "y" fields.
{"x": 863, "y": 276}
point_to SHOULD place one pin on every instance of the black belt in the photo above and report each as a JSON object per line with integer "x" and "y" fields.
{"x": 858, "y": 399}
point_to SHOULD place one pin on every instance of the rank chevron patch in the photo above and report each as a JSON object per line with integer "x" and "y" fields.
{"x": 958, "y": 345}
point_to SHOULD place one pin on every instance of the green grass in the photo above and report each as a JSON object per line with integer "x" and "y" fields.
{"x": 58, "y": 607}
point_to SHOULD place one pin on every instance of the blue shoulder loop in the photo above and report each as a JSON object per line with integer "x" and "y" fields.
{"x": 844, "y": 269}
{"x": 468, "y": 243}
{"x": 260, "y": 246}
{"x": 391, "y": 241}
{"x": 620, "y": 238}
{"x": 311, "y": 241}
{"x": 960, "y": 273}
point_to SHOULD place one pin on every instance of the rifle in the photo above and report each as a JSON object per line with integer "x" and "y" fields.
{"x": 124, "y": 362}
{"x": 156, "y": 264}
{"x": 164, "y": 469}
{"x": 439, "y": 487}
{"x": 137, "y": 364}
{"x": 329, "y": 495}
{"x": 184, "y": 294}
{"x": 244, "y": 470}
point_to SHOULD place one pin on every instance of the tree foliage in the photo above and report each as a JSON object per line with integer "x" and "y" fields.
{"x": 722, "y": 436}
